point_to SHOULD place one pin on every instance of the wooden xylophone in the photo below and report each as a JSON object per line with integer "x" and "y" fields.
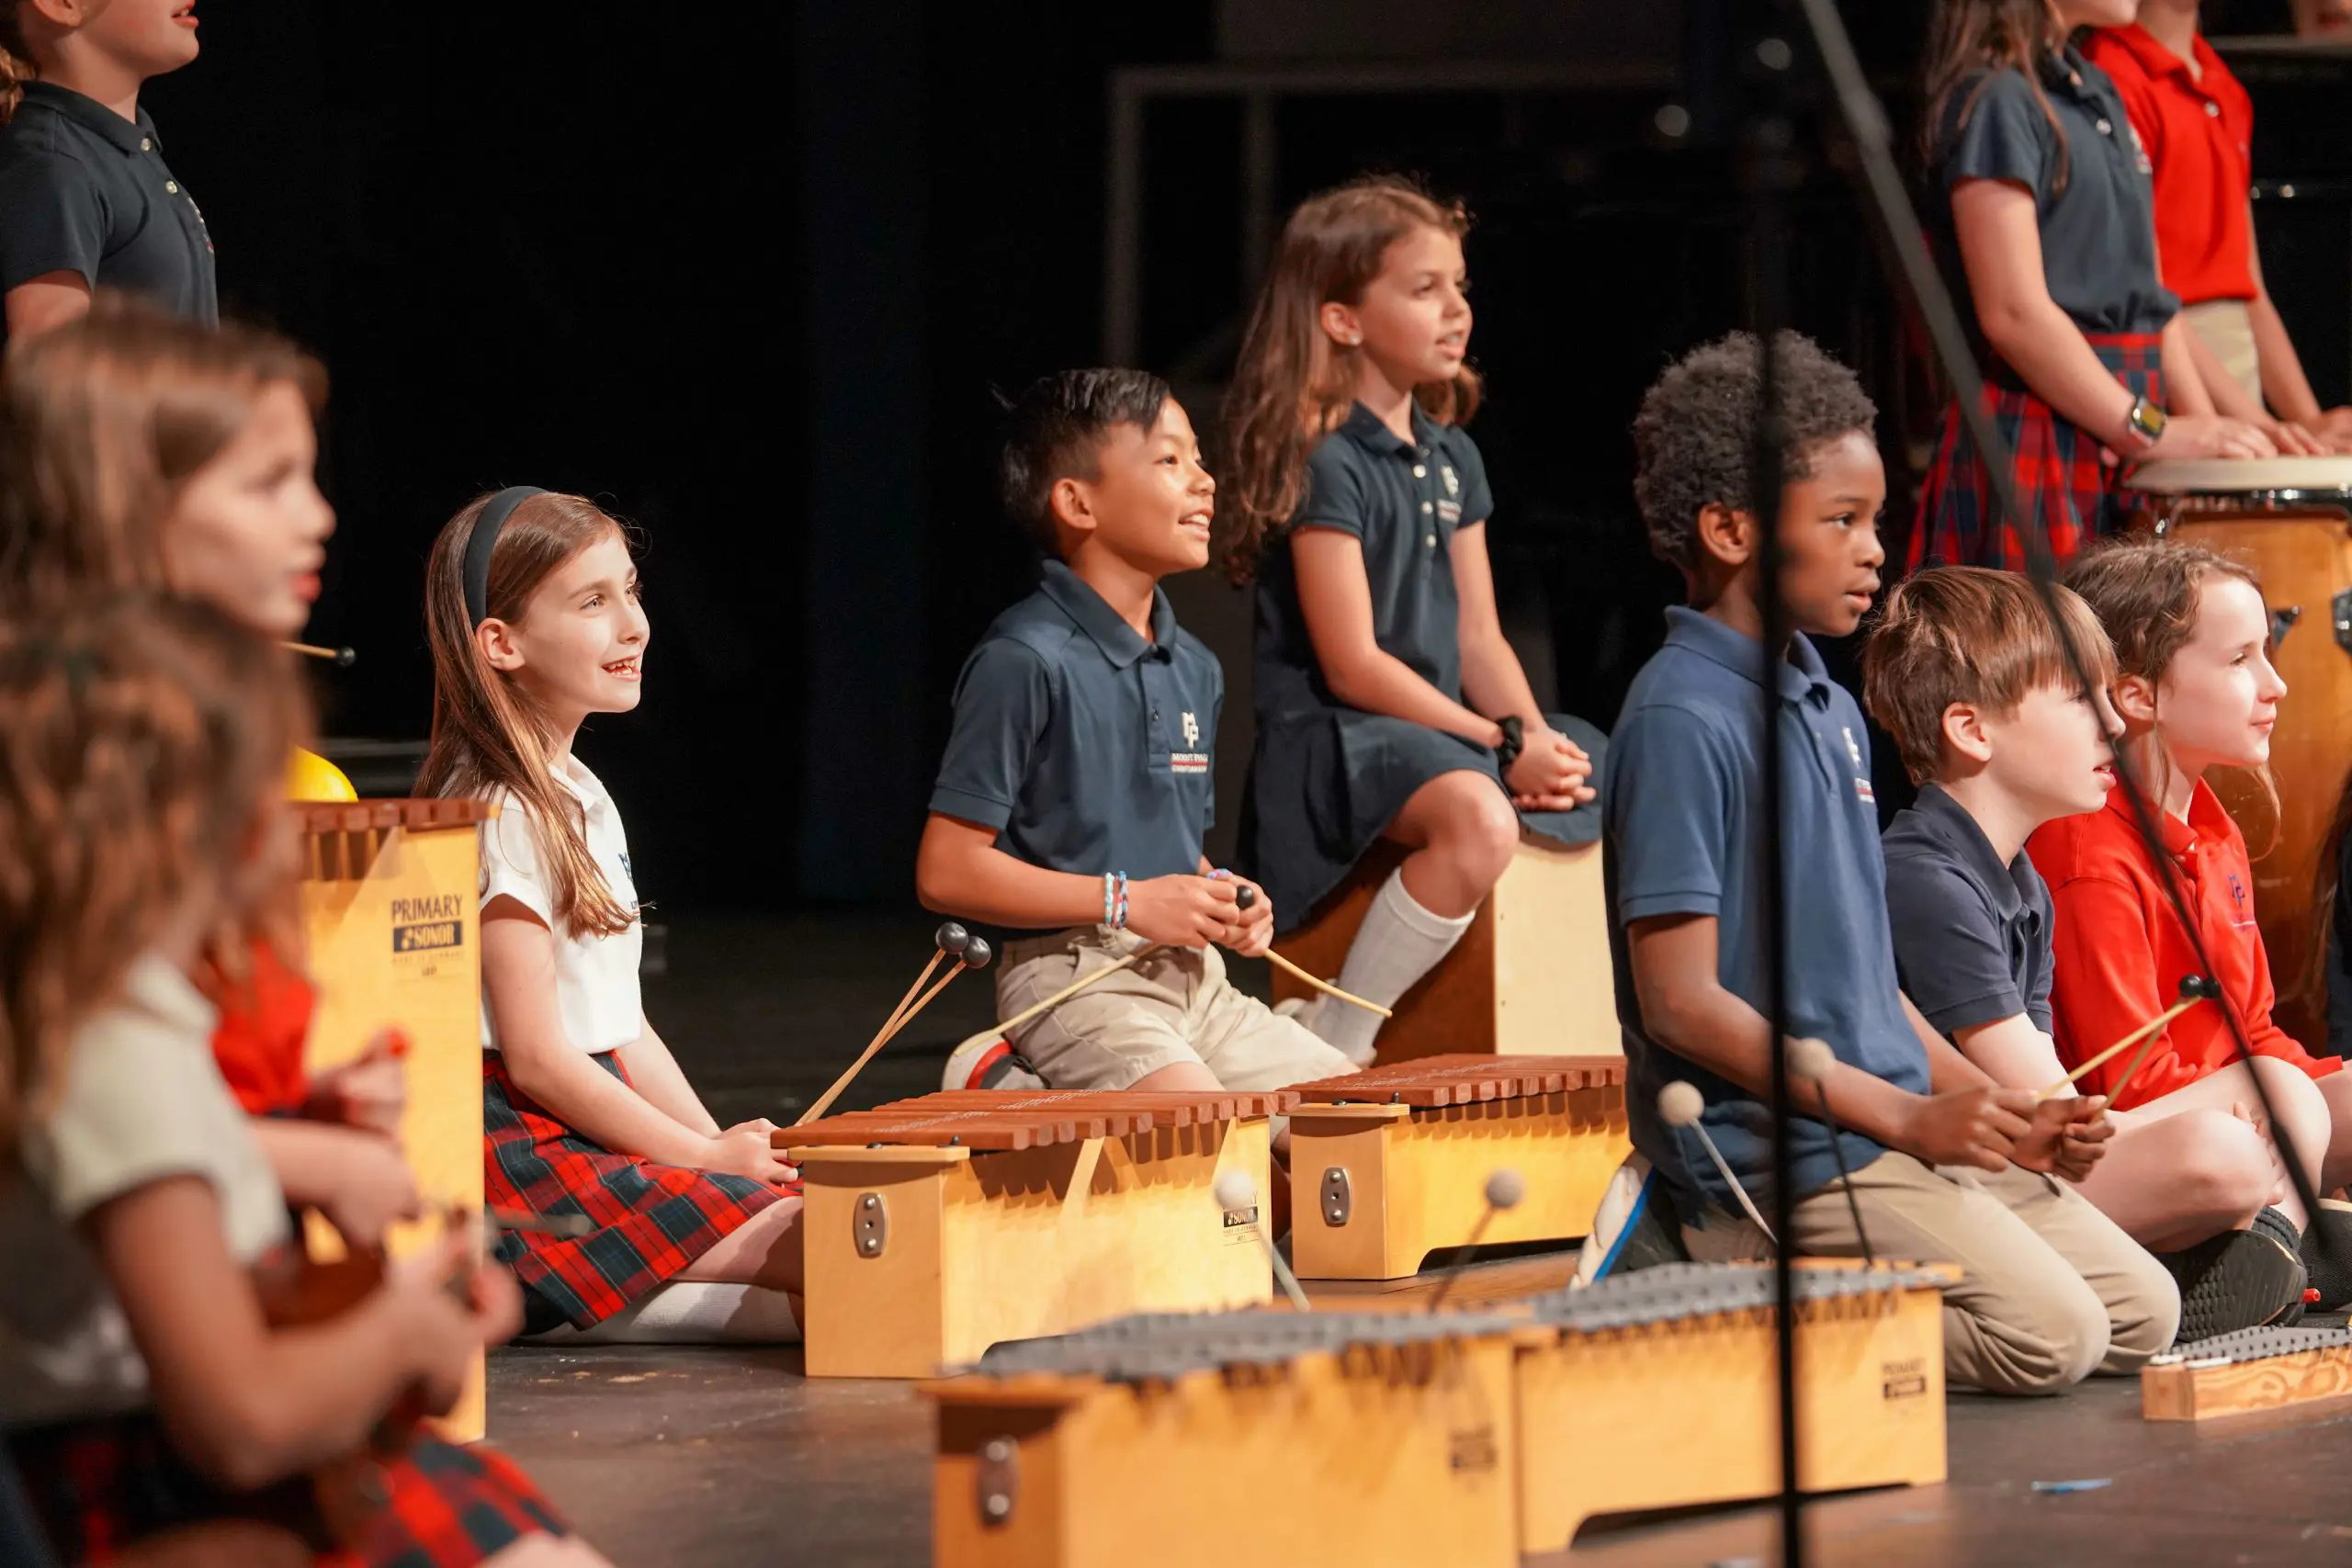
{"x": 2256, "y": 1368}
{"x": 1389, "y": 1166}
{"x": 938, "y": 1226}
{"x": 1362, "y": 1438}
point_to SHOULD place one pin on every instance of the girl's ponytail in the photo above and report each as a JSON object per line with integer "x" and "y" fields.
{"x": 488, "y": 738}
{"x": 17, "y": 66}
{"x": 1293, "y": 385}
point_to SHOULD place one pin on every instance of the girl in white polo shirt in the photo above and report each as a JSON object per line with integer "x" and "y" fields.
{"x": 531, "y": 608}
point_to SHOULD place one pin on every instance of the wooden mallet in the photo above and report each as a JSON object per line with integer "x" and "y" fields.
{"x": 2194, "y": 989}
{"x": 1248, "y": 896}
{"x": 971, "y": 952}
{"x": 341, "y": 658}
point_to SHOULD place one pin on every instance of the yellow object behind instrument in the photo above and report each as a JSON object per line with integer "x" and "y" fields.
{"x": 312, "y": 777}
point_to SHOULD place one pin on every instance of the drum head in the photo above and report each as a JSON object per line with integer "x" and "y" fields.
{"x": 2241, "y": 476}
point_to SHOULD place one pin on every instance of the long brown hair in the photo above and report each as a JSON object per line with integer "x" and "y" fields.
{"x": 1990, "y": 36}
{"x": 2145, "y": 591}
{"x": 17, "y": 64}
{"x": 102, "y": 421}
{"x": 143, "y": 743}
{"x": 488, "y": 735}
{"x": 1293, "y": 385}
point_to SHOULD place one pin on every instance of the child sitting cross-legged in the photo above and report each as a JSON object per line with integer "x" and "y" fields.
{"x": 1966, "y": 671}
{"x": 1945, "y": 1163}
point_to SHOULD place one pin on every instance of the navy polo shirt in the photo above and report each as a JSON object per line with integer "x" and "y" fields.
{"x": 1682, "y": 795}
{"x": 1086, "y": 747}
{"x": 84, "y": 190}
{"x": 2098, "y": 232}
{"x": 1404, "y": 500}
{"x": 1971, "y": 935}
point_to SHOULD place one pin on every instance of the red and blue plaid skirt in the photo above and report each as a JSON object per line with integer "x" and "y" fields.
{"x": 2060, "y": 477}
{"x": 98, "y": 1487}
{"x": 655, "y": 1219}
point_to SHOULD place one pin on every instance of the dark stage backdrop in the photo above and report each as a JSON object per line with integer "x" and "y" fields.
{"x": 751, "y": 276}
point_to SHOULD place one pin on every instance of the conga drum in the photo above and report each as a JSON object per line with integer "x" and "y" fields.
{"x": 2290, "y": 520}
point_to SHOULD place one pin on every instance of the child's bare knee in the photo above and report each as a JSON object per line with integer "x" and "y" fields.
{"x": 2224, "y": 1166}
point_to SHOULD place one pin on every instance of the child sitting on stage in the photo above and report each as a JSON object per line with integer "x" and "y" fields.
{"x": 1945, "y": 1162}
{"x": 148, "y": 1388}
{"x": 142, "y": 451}
{"x": 531, "y": 609}
{"x": 1078, "y": 784}
{"x": 1389, "y": 704}
{"x": 2196, "y": 691}
{"x": 1967, "y": 673}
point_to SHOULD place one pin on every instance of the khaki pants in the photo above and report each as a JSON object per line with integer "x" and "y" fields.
{"x": 2049, "y": 1291}
{"x": 2227, "y": 327}
{"x": 1173, "y": 1004}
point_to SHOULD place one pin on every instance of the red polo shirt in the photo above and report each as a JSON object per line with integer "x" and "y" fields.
{"x": 2199, "y": 135}
{"x": 2120, "y": 952}
{"x": 265, "y": 1021}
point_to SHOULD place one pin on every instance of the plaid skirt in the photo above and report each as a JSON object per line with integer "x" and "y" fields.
{"x": 655, "y": 1219}
{"x": 2059, "y": 475}
{"x": 99, "y": 1487}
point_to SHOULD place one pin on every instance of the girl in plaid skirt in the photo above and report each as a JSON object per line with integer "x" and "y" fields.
{"x": 531, "y": 610}
{"x": 2044, "y": 219}
{"x": 153, "y": 1380}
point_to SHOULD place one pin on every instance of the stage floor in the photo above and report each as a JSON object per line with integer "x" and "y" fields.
{"x": 714, "y": 1457}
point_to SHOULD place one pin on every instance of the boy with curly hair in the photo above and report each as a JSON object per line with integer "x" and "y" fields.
{"x": 1946, "y": 1164}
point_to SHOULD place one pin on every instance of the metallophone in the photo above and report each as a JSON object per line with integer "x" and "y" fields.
{"x": 2256, "y": 1368}
{"x": 938, "y": 1226}
{"x": 1386, "y": 1164}
{"x": 1465, "y": 1438}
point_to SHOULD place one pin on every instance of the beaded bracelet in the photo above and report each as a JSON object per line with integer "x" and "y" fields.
{"x": 1119, "y": 917}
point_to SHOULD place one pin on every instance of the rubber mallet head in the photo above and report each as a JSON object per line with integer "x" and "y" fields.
{"x": 1235, "y": 1191}
{"x": 2196, "y": 988}
{"x": 1506, "y": 1188}
{"x": 1810, "y": 1059}
{"x": 1244, "y": 897}
{"x": 952, "y": 937}
{"x": 976, "y": 953}
{"x": 1680, "y": 1104}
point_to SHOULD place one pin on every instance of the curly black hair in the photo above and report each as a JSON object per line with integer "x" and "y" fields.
{"x": 1053, "y": 431}
{"x": 1690, "y": 440}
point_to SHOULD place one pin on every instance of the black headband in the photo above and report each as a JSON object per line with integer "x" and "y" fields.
{"x": 483, "y": 540}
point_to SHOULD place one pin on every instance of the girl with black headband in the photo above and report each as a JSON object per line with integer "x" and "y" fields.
{"x": 531, "y": 608}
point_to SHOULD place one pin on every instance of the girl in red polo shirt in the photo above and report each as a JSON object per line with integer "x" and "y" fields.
{"x": 2197, "y": 123}
{"x": 2196, "y": 691}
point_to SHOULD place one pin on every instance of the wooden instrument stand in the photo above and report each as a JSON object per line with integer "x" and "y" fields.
{"x": 1531, "y": 978}
{"x": 938, "y": 1226}
{"x": 1389, "y": 1166}
{"x": 391, "y": 918}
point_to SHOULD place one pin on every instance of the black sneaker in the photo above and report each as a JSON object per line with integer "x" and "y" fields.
{"x": 2327, "y": 1254}
{"x": 2248, "y": 1279}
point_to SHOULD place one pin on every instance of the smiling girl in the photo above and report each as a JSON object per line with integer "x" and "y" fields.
{"x": 1389, "y": 705}
{"x": 532, "y": 610}
{"x": 2196, "y": 691}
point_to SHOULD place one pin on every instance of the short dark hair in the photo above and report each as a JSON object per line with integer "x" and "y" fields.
{"x": 1054, "y": 430}
{"x": 1691, "y": 438}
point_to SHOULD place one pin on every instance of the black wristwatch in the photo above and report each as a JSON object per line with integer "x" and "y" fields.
{"x": 2147, "y": 421}
{"x": 1514, "y": 741}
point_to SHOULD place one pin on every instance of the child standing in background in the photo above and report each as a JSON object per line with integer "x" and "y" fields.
{"x": 1389, "y": 704}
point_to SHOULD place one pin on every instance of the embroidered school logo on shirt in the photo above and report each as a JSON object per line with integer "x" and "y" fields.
{"x": 1191, "y": 730}
{"x": 2237, "y": 896}
{"x": 1449, "y": 511}
{"x": 1188, "y": 762}
{"x": 1863, "y": 793}
{"x": 1852, "y": 749}
{"x": 1452, "y": 485}
{"x": 2140, "y": 150}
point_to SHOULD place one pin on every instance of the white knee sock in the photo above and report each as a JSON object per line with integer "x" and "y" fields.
{"x": 692, "y": 1311}
{"x": 1398, "y": 942}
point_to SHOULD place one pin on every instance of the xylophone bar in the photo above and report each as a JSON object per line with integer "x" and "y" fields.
{"x": 1432, "y": 1081}
{"x": 2258, "y": 1368}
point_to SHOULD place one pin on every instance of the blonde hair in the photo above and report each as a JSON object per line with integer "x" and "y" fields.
{"x": 1293, "y": 385}
{"x": 488, "y": 735}
{"x": 143, "y": 741}
{"x": 1967, "y": 634}
{"x": 102, "y": 421}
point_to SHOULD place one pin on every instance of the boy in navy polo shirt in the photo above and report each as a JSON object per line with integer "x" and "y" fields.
{"x": 1077, "y": 787}
{"x": 1947, "y": 1165}
{"x": 85, "y": 200}
{"x": 1965, "y": 671}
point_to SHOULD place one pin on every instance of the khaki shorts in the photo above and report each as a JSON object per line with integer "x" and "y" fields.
{"x": 1173, "y": 1004}
{"x": 2227, "y": 327}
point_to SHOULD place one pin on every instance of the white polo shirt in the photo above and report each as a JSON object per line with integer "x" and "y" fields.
{"x": 141, "y": 1100}
{"x": 595, "y": 976}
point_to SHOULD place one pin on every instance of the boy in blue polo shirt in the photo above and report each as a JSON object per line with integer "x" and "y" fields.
{"x": 1966, "y": 672}
{"x": 1077, "y": 784}
{"x": 1947, "y": 1165}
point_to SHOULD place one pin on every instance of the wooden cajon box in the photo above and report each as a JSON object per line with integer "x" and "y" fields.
{"x": 920, "y": 1258}
{"x": 1532, "y": 976}
{"x": 390, "y": 912}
